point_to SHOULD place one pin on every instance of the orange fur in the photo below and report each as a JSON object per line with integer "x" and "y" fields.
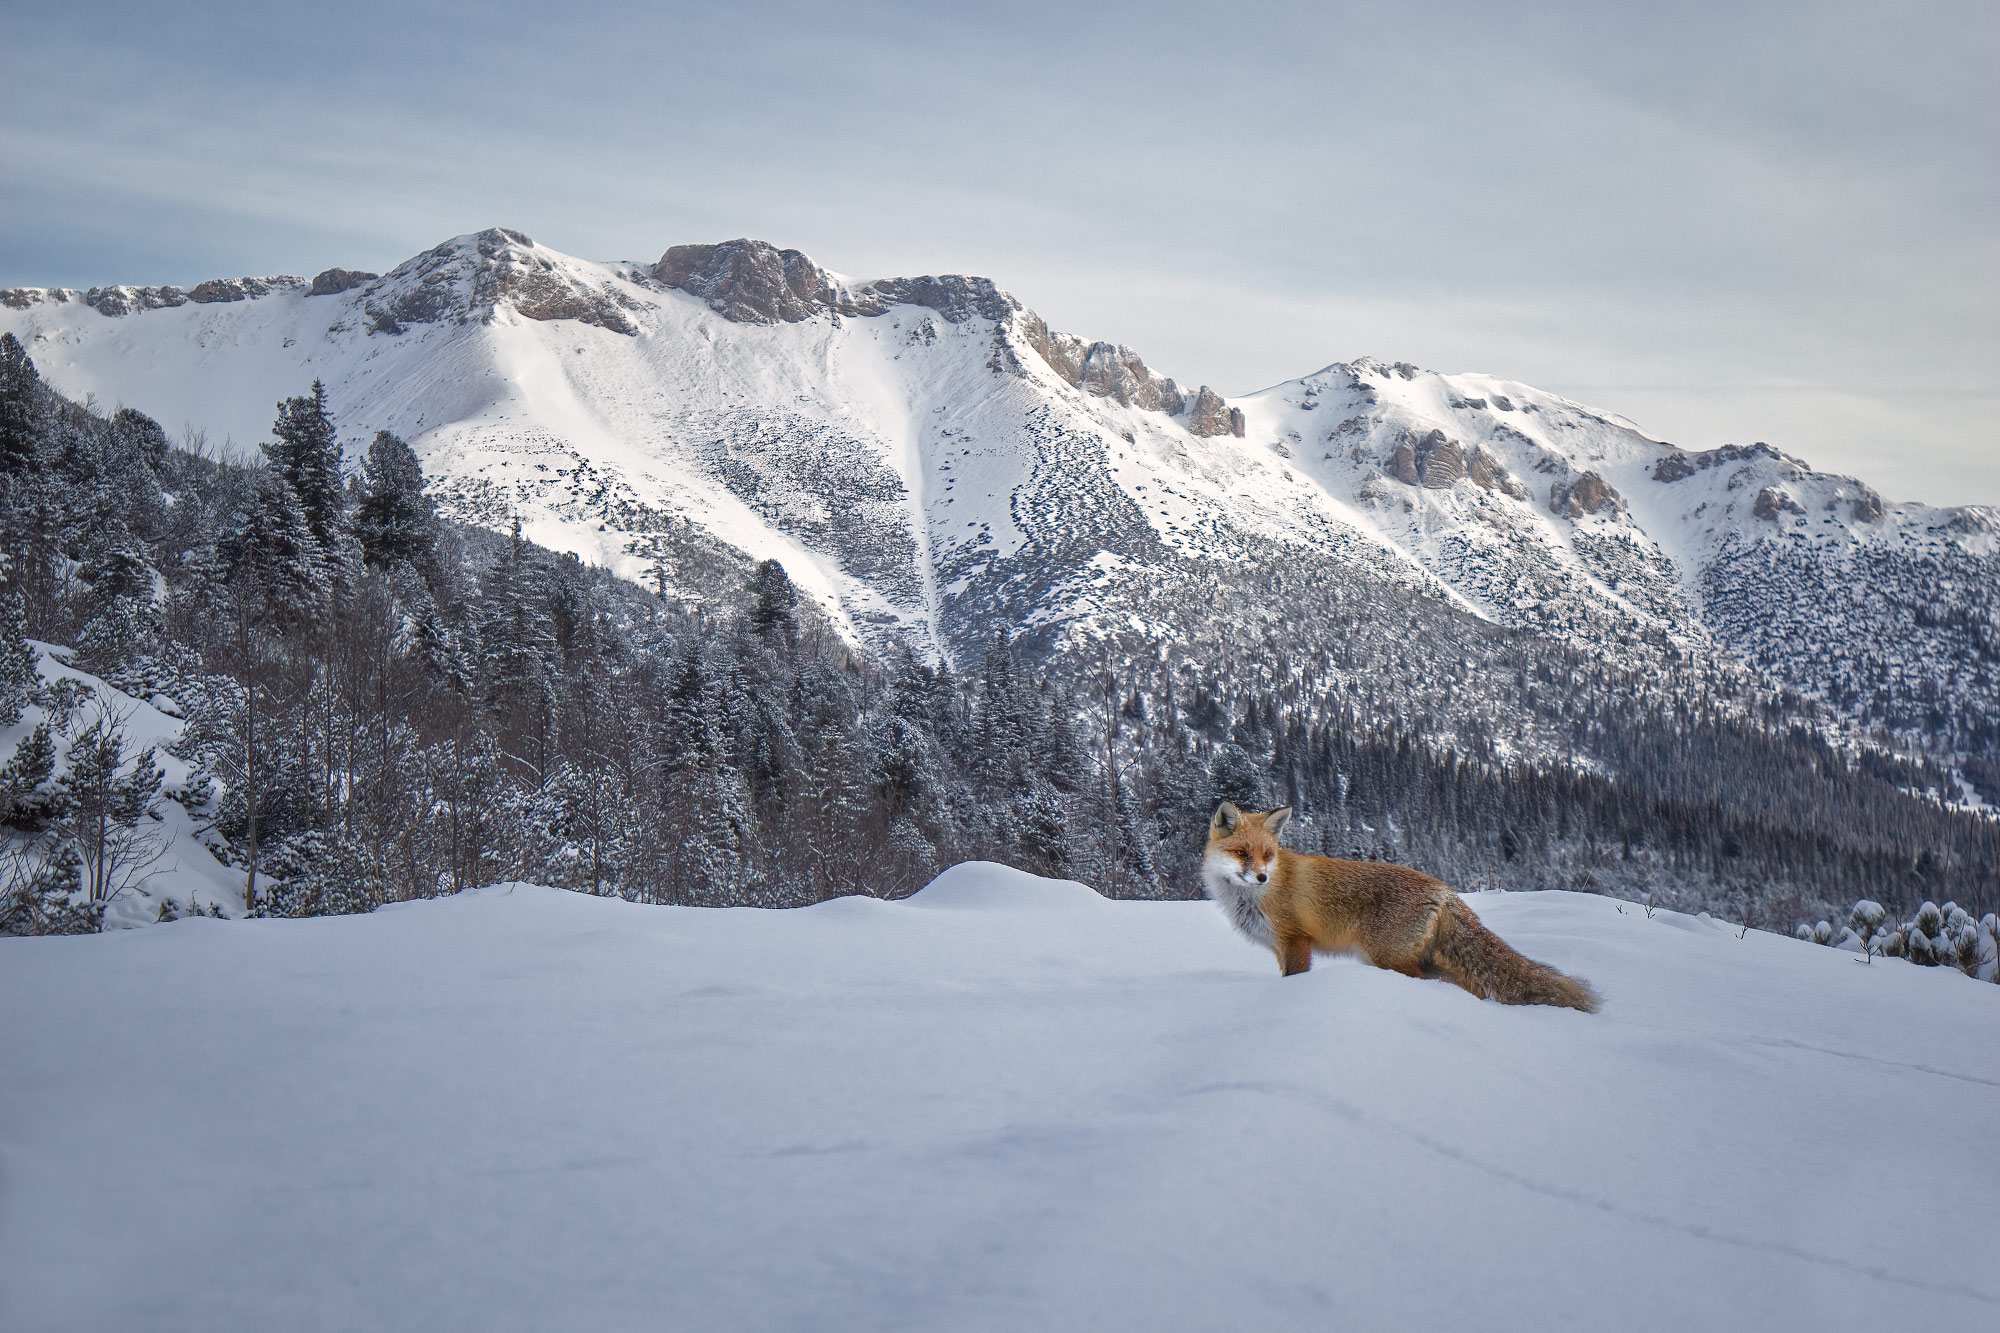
{"x": 1395, "y": 917}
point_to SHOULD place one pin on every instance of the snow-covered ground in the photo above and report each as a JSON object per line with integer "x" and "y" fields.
{"x": 1003, "y": 1104}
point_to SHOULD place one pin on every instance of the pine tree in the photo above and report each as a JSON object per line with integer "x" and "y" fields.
{"x": 18, "y": 677}
{"x": 103, "y": 807}
{"x": 269, "y": 553}
{"x": 702, "y": 794}
{"x": 26, "y": 798}
{"x": 117, "y": 639}
{"x": 20, "y": 405}
{"x": 395, "y": 521}
{"x": 517, "y": 643}
{"x": 772, "y": 600}
{"x": 139, "y": 437}
{"x": 306, "y": 451}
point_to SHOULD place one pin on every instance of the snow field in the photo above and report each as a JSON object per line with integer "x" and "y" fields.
{"x": 1005, "y": 1103}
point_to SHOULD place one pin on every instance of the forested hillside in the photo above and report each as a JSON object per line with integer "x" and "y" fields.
{"x": 383, "y": 705}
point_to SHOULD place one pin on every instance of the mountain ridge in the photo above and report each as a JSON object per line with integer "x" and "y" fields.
{"x": 933, "y": 462}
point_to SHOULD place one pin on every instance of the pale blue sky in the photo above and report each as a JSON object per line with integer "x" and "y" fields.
{"x": 1728, "y": 222}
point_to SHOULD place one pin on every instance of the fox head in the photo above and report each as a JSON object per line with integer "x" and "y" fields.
{"x": 1242, "y": 846}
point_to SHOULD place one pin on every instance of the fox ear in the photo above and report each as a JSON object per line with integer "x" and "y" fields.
{"x": 1226, "y": 816}
{"x": 1275, "y": 821}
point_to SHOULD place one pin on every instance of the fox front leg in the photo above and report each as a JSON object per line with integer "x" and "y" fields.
{"x": 1295, "y": 955}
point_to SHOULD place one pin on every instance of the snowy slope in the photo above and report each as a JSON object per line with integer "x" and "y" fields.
{"x": 1005, "y": 1103}
{"x": 185, "y": 869}
{"x": 1556, "y": 518}
{"x": 933, "y": 462}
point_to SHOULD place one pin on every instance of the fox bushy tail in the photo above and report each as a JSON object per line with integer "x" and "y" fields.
{"x": 1466, "y": 952}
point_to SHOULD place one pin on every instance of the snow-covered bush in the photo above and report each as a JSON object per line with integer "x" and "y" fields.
{"x": 1961, "y": 939}
{"x": 1923, "y": 936}
{"x": 1864, "y": 927}
{"x": 318, "y": 874}
{"x": 1934, "y": 936}
{"x": 171, "y": 909}
{"x": 41, "y": 891}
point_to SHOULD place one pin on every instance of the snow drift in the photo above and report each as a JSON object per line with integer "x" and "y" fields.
{"x": 1004, "y": 1103}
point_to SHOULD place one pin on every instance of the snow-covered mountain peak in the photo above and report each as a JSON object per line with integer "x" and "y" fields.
{"x": 931, "y": 460}
{"x": 468, "y": 276}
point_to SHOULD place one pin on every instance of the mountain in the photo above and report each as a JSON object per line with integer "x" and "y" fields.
{"x": 934, "y": 463}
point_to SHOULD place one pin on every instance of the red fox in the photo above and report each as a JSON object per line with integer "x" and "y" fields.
{"x": 1395, "y": 917}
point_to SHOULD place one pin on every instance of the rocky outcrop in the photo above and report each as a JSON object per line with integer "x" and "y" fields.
{"x": 1107, "y": 370}
{"x": 1402, "y": 464}
{"x": 1674, "y": 467}
{"x": 1208, "y": 415}
{"x": 1115, "y": 371}
{"x": 334, "y": 281}
{"x": 241, "y": 289}
{"x": 1867, "y": 507}
{"x": 515, "y": 272}
{"x": 1587, "y": 494}
{"x": 1444, "y": 465}
{"x": 1488, "y": 473}
{"x": 1685, "y": 463}
{"x": 754, "y": 282}
{"x": 1772, "y": 502}
{"x": 119, "y": 301}
{"x": 20, "y": 298}
{"x": 469, "y": 276}
{"x": 1435, "y": 461}
{"x": 954, "y": 295}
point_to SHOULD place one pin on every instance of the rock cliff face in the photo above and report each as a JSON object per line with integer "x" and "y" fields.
{"x": 1587, "y": 494}
{"x": 956, "y": 296}
{"x": 1108, "y": 370}
{"x": 21, "y": 298}
{"x": 1445, "y": 463}
{"x": 1773, "y": 502}
{"x": 754, "y": 282}
{"x": 1436, "y": 462}
{"x": 334, "y": 281}
{"x": 1490, "y": 474}
{"x": 1209, "y": 415}
{"x": 115, "y": 302}
{"x": 241, "y": 289}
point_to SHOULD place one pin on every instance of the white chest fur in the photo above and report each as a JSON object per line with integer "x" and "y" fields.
{"x": 1242, "y": 903}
